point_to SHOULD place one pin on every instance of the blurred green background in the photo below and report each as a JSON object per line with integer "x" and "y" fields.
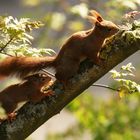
{"x": 97, "y": 114}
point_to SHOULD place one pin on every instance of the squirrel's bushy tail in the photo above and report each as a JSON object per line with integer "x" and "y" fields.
{"x": 22, "y": 66}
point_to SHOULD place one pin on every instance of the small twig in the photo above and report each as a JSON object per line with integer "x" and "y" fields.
{"x": 6, "y": 44}
{"x": 105, "y": 86}
{"x": 7, "y": 54}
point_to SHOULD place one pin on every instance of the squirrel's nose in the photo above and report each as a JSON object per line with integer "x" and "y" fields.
{"x": 118, "y": 29}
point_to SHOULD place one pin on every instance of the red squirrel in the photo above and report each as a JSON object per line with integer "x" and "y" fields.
{"x": 28, "y": 90}
{"x": 79, "y": 46}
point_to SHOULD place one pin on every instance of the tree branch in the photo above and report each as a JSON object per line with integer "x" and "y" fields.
{"x": 31, "y": 116}
{"x": 10, "y": 40}
{"x": 105, "y": 86}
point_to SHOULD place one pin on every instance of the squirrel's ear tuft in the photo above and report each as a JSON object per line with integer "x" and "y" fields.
{"x": 96, "y": 15}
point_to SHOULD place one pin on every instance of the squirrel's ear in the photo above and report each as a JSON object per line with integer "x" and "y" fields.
{"x": 93, "y": 20}
{"x": 96, "y": 15}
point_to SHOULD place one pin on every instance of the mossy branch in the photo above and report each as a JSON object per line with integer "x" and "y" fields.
{"x": 31, "y": 116}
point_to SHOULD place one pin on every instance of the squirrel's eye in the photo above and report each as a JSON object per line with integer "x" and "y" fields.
{"x": 43, "y": 79}
{"x": 109, "y": 29}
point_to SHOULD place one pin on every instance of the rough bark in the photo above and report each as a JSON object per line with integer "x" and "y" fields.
{"x": 31, "y": 116}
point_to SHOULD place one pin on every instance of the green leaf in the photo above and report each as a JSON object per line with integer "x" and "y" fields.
{"x": 138, "y": 88}
{"x": 127, "y": 74}
{"x": 123, "y": 92}
{"x": 15, "y": 32}
{"x": 129, "y": 67}
{"x": 115, "y": 74}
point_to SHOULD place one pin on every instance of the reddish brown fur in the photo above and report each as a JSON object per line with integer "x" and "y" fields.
{"x": 81, "y": 45}
{"x": 28, "y": 90}
{"x": 23, "y": 65}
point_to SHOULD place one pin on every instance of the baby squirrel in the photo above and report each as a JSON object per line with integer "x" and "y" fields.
{"x": 79, "y": 46}
{"x": 28, "y": 90}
